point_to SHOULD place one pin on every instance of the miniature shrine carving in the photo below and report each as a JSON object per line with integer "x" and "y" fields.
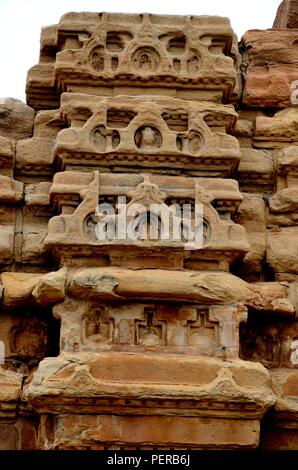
{"x": 149, "y": 237}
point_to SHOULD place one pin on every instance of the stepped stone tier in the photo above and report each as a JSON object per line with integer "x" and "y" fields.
{"x": 271, "y": 61}
{"x": 107, "y": 54}
{"x": 156, "y": 341}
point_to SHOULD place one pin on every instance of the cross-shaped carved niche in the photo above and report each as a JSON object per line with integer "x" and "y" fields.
{"x": 175, "y": 328}
{"x": 96, "y": 328}
{"x": 203, "y": 334}
{"x": 150, "y": 332}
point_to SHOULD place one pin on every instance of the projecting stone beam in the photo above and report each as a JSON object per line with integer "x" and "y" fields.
{"x": 186, "y": 286}
{"x": 106, "y": 284}
{"x": 121, "y": 284}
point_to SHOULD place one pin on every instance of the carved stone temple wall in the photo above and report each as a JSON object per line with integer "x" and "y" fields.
{"x": 151, "y": 343}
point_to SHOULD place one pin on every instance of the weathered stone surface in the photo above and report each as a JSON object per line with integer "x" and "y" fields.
{"x": 279, "y": 438}
{"x": 287, "y": 15}
{"x": 18, "y": 435}
{"x": 188, "y": 135}
{"x": 252, "y": 216}
{"x": 272, "y": 66}
{"x": 282, "y": 251}
{"x": 17, "y": 288}
{"x": 74, "y": 232}
{"x": 255, "y": 170}
{"x": 16, "y": 119}
{"x": 34, "y": 156}
{"x": 149, "y": 381}
{"x": 109, "y": 283}
{"x": 284, "y": 414}
{"x": 24, "y": 335}
{"x": 10, "y": 190}
{"x": 8, "y": 437}
{"x": 127, "y": 432}
{"x": 11, "y": 384}
{"x": 287, "y": 164}
{"x": 293, "y": 296}
{"x": 188, "y": 57}
{"x": 33, "y": 243}
{"x": 281, "y": 430}
{"x": 269, "y": 337}
{"x": 21, "y": 289}
{"x": 134, "y": 327}
{"x": 7, "y": 150}
{"x": 286, "y": 200}
{"x": 50, "y": 288}
{"x": 7, "y": 229}
{"x": 180, "y": 328}
{"x": 38, "y": 194}
{"x": 277, "y": 131}
{"x": 283, "y": 204}
{"x": 276, "y": 297}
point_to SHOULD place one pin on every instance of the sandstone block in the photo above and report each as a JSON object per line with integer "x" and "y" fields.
{"x": 6, "y": 243}
{"x": 109, "y": 283}
{"x": 146, "y": 56}
{"x": 137, "y": 271}
{"x": 7, "y": 151}
{"x": 8, "y": 437}
{"x": 50, "y": 288}
{"x": 17, "y": 288}
{"x": 182, "y": 328}
{"x": 166, "y": 432}
{"x": 34, "y": 156}
{"x": 74, "y": 231}
{"x": 276, "y": 297}
{"x": 285, "y": 200}
{"x": 282, "y": 249}
{"x": 18, "y": 435}
{"x": 170, "y": 378}
{"x": 38, "y": 194}
{"x": 40, "y": 83}
{"x": 33, "y": 243}
{"x": 252, "y": 216}
{"x": 10, "y": 389}
{"x": 284, "y": 413}
{"x": 16, "y": 119}
{"x": 277, "y": 131}
{"x": 10, "y": 189}
{"x": 255, "y": 170}
{"x": 272, "y": 66}
{"x": 287, "y": 15}
{"x": 284, "y": 203}
{"x": 279, "y": 438}
{"x": 25, "y": 337}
